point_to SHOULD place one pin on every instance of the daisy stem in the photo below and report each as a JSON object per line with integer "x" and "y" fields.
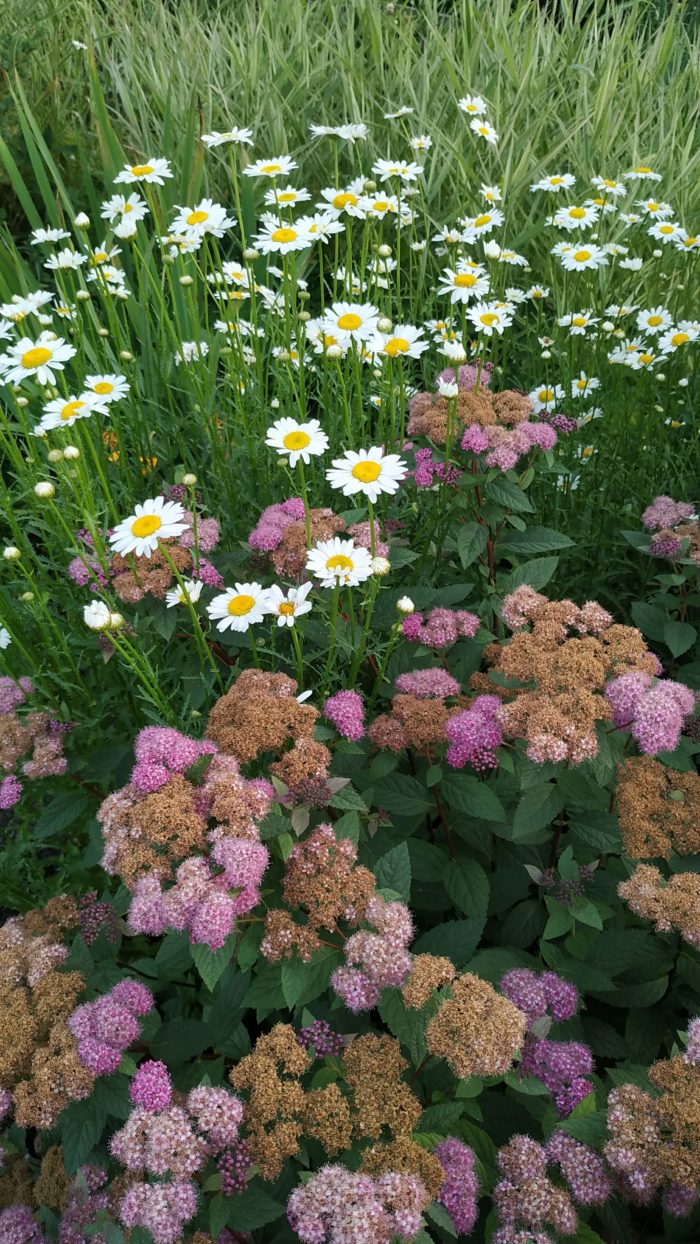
{"x": 351, "y": 615}
{"x": 200, "y": 637}
{"x": 305, "y": 499}
{"x": 381, "y": 672}
{"x": 85, "y": 436}
{"x": 369, "y": 610}
{"x": 300, "y": 660}
{"x": 331, "y": 642}
{"x": 254, "y": 649}
{"x": 372, "y": 536}
{"x": 53, "y": 627}
{"x": 145, "y": 674}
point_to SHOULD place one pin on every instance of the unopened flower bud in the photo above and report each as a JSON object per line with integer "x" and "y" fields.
{"x": 71, "y": 453}
{"x": 126, "y": 356}
{"x": 384, "y": 250}
{"x": 683, "y": 381}
{"x": 334, "y": 352}
{"x": 303, "y": 295}
{"x": 97, "y": 615}
{"x": 189, "y": 480}
{"x": 546, "y": 354}
{"x": 185, "y": 280}
{"x": 27, "y": 597}
{"x": 304, "y": 316}
{"x": 380, "y": 566}
{"x": 657, "y": 253}
{"x": 251, "y": 254}
{"x": 405, "y": 605}
{"x": 82, "y": 221}
{"x": 660, "y": 375}
{"x": 83, "y": 295}
{"x": 103, "y": 332}
{"x": 116, "y": 620}
{"x": 44, "y": 489}
{"x": 11, "y": 553}
{"x": 384, "y": 325}
{"x": 608, "y": 326}
{"x": 55, "y": 455}
{"x": 275, "y": 403}
{"x": 22, "y": 402}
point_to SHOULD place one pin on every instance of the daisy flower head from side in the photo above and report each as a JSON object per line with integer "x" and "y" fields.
{"x": 154, "y": 171}
{"x": 274, "y": 166}
{"x": 290, "y": 605}
{"x": 554, "y": 182}
{"x": 239, "y": 607}
{"x": 237, "y": 134}
{"x": 63, "y": 412}
{"x": 369, "y": 471}
{"x": 300, "y": 441}
{"x": 339, "y": 563}
{"x": 119, "y": 208}
{"x": 152, "y": 520}
{"x": 176, "y": 596}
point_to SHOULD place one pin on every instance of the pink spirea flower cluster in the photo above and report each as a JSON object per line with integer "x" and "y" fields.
{"x": 5, "y": 1103}
{"x": 321, "y": 1038}
{"x": 151, "y": 1087}
{"x": 562, "y": 1066}
{"x": 474, "y": 735}
{"x": 234, "y": 1167}
{"x": 161, "y": 751}
{"x": 12, "y": 693}
{"x": 207, "y": 533}
{"x": 562, "y": 423}
{"x": 653, "y": 711}
{"x": 467, "y": 374}
{"x": 427, "y": 470}
{"x": 524, "y": 604}
{"x": 87, "y": 1201}
{"x": 346, "y": 711}
{"x": 524, "y": 1198}
{"x": 375, "y": 960}
{"x": 10, "y": 792}
{"x": 273, "y": 522}
{"x": 665, "y": 512}
{"x": 428, "y": 684}
{"x": 441, "y": 629}
{"x": 539, "y": 996}
{"x": 103, "y": 1029}
{"x": 503, "y": 447}
{"x": 163, "y": 1209}
{"x": 338, "y": 1206}
{"x": 459, "y": 1193}
{"x": 692, "y": 1051}
{"x": 582, "y": 1168}
{"x": 18, "y": 1226}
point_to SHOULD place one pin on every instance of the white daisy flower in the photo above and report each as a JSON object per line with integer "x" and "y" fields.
{"x": 466, "y": 282}
{"x": 632, "y": 263}
{"x": 239, "y": 607}
{"x": 346, "y": 200}
{"x": 41, "y": 358}
{"x": 405, "y": 111}
{"x": 537, "y": 292}
{"x": 554, "y": 183}
{"x": 490, "y": 317}
{"x": 191, "y": 351}
{"x": 643, "y": 360}
{"x": 370, "y": 472}
{"x": 65, "y": 259}
{"x": 575, "y": 217}
{"x": 5, "y": 638}
{"x": 176, "y": 596}
{"x": 279, "y": 238}
{"x": 546, "y": 397}
{"x": 484, "y": 129}
{"x": 205, "y": 217}
{"x": 665, "y": 231}
{"x": 617, "y": 310}
{"x": 108, "y": 387}
{"x": 407, "y": 171}
{"x": 351, "y": 132}
{"x": 511, "y": 257}
{"x": 642, "y": 173}
{"x": 275, "y": 166}
{"x": 421, "y": 142}
{"x": 289, "y": 606}
{"x": 339, "y": 563}
{"x": 379, "y": 205}
{"x": 236, "y": 134}
{"x": 653, "y": 207}
{"x": 609, "y": 187}
{"x": 320, "y": 227}
{"x": 285, "y": 196}
{"x": 447, "y": 388}
{"x": 97, "y": 615}
{"x": 39, "y": 236}
{"x": 297, "y": 440}
{"x": 595, "y": 412}
{"x": 582, "y": 385}
{"x": 492, "y": 194}
{"x": 63, "y": 412}
{"x": 655, "y": 321}
{"x": 577, "y": 322}
{"x": 118, "y": 208}
{"x": 406, "y": 341}
{"x": 154, "y": 172}
{"x": 153, "y": 520}
{"x": 351, "y": 320}
{"x": 684, "y": 332}
{"x": 630, "y": 218}
{"x": 585, "y": 255}
{"x": 584, "y": 453}
{"x": 686, "y": 241}
{"x": 473, "y": 105}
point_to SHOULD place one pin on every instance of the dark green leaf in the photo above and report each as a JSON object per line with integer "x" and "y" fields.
{"x": 533, "y": 540}
{"x": 471, "y": 542}
{"x": 180, "y": 1040}
{"x": 403, "y": 795}
{"x": 63, "y": 811}
{"x": 535, "y": 573}
{"x": 468, "y": 886}
{"x": 679, "y": 637}
{"x": 509, "y": 495}
{"x": 393, "y": 871}
{"x": 457, "y": 939}
{"x": 465, "y": 793}
{"x": 211, "y": 964}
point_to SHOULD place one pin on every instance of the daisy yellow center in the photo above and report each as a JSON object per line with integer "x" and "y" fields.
{"x": 675, "y": 424}
{"x": 654, "y": 321}
{"x": 128, "y": 207}
{"x": 35, "y": 357}
{"x": 579, "y": 321}
{"x": 645, "y": 358}
{"x": 350, "y": 321}
{"x": 665, "y": 228}
{"x": 587, "y": 451}
{"x": 141, "y": 170}
{"x": 328, "y": 340}
{"x": 581, "y": 384}
{"x": 577, "y": 213}
{"x": 652, "y": 207}
{"x": 296, "y": 440}
{"x": 339, "y": 562}
{"x": 489, "y": 318}
{"x": 582, "y": 256}
{"x": 642, "y": 168}
{"x": 196, "y": 218}
{"x": 239, "y": 605}
{"x": 271, "y": 168}
{"x": 689, "y": 241}
{"x": 397, "y": 345}
{"x": 102, "y": 387}
{"x": 381, "y": 206}
{"x": 465, "y": 280}
{"x": 545, "y": 395}
{"x": 679, "y": 339}
{"x": 366, "y": 471}
{"x": 483, "y": 129}
{"x": 288, "y": 197}
{"x": 599, "y": 202}
{"x": 99, "y": 257}
{"x": 482, "y": 220}
{"x": 346, "y": 199}
{"x": 284, "y": 235}
{"x": 609, "y": 183}
{"x": 70, "y": 408}
{"x": 146, "y": 525}
{"x": 556, "y": 181}
{"x": 537, "y": 293}
{"x": 286, "y": 608}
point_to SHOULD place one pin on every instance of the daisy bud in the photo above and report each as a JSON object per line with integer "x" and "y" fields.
{"x": 11, "y": 553}
{"x": 661, "y": 375}
{"x": 22, "y": 401}
{"x": 103, "y": 332}
{"x": 71, "y": 453}
{"x": 384, "y": 325}
{"x": 185, "y": 280}
{"x": 97, "y": 615}
{"x": 40, "y": 433}
{"x": 27, "y": 597}
{"x": 189, "y": 480}
{"x": 334, "y": 352}
{"x": 447, "y": 388}
{"x": 304, "y": 316}
{"x": 83, "y": 295}
{"x": 384, "y": 251}
{"x": 657, "y": 253}
{"x": 546, "y": 354}
{"x": 370, "y": 185}
{"x": 284, "y": 356}
{"x": 55, "y": 455}
{"x": 121, "y": 293}
{"x": 683, "y": 382}
{"x": 115, "y": 621}
{"x": 608, "y": 326}
{"x": 405, "y": 605}
{"x": 126, "y": 356}
{"x": 380, "y": 566}
{"x": 492, "y": 250}
{"x": 275, "y": 403}
{"x": 250, "y": 253}
{"x": 44, "y": 489}
{"x": 169, "y": 259}
{"x": 303, "y": 295}
{"x": 81, "y": 221}
{"x": 660, "y": 409}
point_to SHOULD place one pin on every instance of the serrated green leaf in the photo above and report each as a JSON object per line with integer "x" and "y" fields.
{"x": 471, "y": 542}
{"x": 403, "y": 795}
{"x": 465, "y": 793}
{"x": 534, "y": 540}
{"x": 468, "y": 886}
{"x": 302, "y": 982}
{"x": 253, "y": 1208}
{"x": 509, "y": 495}
{"x": 211, "y": 964}
{"x": 679, "y": 637}
{"x": 535, "y": 573}
{"x": 393, "y": 871}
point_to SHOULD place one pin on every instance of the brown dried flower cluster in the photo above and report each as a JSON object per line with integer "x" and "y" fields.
{"x": 52, "y": 1184}
{"x": 657, "y": 1137}
{"x": 562, "y": 663}
{"x": 150, "y": 833}
{"x": 672, "y": 904}
{"x": 323, "y": 879}
{"x": 289, "y": 557}
{"x": 413, "y": 722}
{"x": 271, "y": 1074}
{"x": 429, "y": 412}
{"x": 658, "y": 809}
{"x": 153, "y": 576}
{"x": 260, "y": 714}
{"x": 36, "y": 736}
{"x": 477, "y": 1031}
{"x": 39, "y": 1064}
{"x": 428, "y": 973}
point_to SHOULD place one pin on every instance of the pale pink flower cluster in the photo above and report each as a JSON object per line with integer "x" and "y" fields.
{"x": 503, "y": 447}
{"x": 524, "y": 605}
{"x": 375, "y": 960}
{"x": 163, "y": 1209}
{"x": 338, "y": 1206}
{"x": 103, "y": 1029}
{"x": 161, "y": 751}
{"x": 654, "y": 711}
{"x": 442, "y": 627}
